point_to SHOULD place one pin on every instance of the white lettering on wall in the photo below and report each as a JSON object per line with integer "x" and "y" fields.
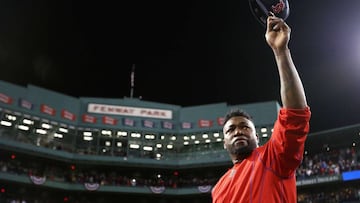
{"x": 129, "y": 111}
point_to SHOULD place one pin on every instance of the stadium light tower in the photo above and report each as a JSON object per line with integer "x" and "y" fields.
{"x": 132, "y": 81}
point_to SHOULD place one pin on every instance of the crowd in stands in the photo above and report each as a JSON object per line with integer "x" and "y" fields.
{"x": 325, "y": 163}
{"x": 330, "y": 162}
{"x": 320, "y": 164}
{"x": 347, "y": 194}
{"x": 112, "y": 177}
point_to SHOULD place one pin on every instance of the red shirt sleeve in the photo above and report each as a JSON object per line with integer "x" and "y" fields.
{"x": 286, "y": 145}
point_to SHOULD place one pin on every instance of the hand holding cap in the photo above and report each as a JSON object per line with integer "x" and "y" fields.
{"x": 261, "y": 9}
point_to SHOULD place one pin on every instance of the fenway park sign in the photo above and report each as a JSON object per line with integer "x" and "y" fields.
{"x": 129, "y": 111}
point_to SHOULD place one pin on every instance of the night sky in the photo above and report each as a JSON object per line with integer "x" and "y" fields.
{"x": 185, "y": 52}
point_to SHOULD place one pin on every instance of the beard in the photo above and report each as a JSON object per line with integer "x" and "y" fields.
{"x": 243, "y": 151}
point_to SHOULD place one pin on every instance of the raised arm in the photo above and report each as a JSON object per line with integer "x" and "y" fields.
{"x": 291, "y": 88}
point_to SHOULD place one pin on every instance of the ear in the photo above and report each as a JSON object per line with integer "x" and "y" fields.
{"x": 257, "y": 139}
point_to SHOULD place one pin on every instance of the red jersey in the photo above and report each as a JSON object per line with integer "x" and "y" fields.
{"x": 268, "y": 174}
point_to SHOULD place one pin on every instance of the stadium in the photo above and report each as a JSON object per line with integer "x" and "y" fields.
{"x": 56, "y": 148}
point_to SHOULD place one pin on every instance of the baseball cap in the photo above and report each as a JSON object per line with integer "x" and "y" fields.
{"x": 261, "y": 9}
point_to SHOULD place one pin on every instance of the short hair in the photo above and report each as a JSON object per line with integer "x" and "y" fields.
{"x": 235, "y": 113}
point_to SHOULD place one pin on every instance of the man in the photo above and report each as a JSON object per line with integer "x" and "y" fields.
{"x": 267, "y": 173}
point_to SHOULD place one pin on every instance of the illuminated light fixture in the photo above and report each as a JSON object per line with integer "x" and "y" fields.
{"x": 149, "y": 137}
{"x": 88, "y": 138}
{"x": 216, "y": 134}
{"x": 58, "y": 135}
{"x": 265, "y": 135}
{"x": 263, "y": 130}
{"x": 122, "y": 133}
{"x": 197, "y": 142}
{"x": 10, "y": 117}
{"x": 193, "y": 137}
{"x": 205, "y": 136}
{"x": 162, "y": 137}
{"x": 103, "y": 150}
{"x": 6, "y": 123}
{"x": 170, "y": 146}
{"x": 186, "y": 143}
{"x": 133, "y": 182}
{"x": 46, "y": 126}
{"x": 87, "y": 133}
{"x": 106, "y": 132}
{"x": 158, "y": 156}
{"x": 63, "y": 130}
{"x": 41, "y": 131}
{"x": 135, "y": 135}
{"x": 147, "y": 148}
{"x": 207, "y": 141}
{"x": 28, "y": 121}
{"x": 218, "y": 140}
{"x": 119, "y": 144}
{"x": 186, "y": 138}
{"x": 134, "y": 146}
{"x": 158, "y": 145}
{"x": 107, "y": 143}
{"x": 23, "y": 127}
{"x": 173, "y": 137}
{"x": 354, "y": 144}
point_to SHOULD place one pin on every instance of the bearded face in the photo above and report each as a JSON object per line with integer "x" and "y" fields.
{"x": 240, "y": 137}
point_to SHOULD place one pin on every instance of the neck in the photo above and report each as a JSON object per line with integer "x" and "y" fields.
{"x": 239, "y": 158}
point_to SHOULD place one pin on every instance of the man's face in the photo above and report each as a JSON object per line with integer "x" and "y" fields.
{"x": 240, "y": 137}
